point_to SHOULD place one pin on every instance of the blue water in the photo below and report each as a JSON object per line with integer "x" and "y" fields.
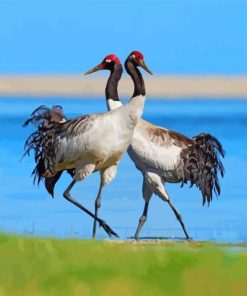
{"x": 27, "y": 209}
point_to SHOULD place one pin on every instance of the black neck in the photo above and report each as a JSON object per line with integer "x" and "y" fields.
{"x": 139, "y": 86}
{"x": 112, "y": 83}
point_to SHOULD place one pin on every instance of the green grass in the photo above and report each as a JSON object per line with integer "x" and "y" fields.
{"x": 37, "y": 266}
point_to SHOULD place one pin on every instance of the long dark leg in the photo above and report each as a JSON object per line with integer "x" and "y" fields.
{"x": 142, "y": 220}
{"x": 179, "y": 218}
{"x": 102, "y": 223}
{"x": 97, "y": 206}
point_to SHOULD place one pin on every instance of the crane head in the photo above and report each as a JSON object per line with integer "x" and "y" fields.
{"x": 137, "y": 58}
{"x": 108, "y": 63}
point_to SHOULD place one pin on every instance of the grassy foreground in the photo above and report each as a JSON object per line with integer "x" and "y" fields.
{"x": 34, "y": 266}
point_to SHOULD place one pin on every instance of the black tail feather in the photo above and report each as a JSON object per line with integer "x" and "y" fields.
{"x": 51, "y": 182}
{"x": 203, "y": 164}
{"x": 43, "y": 118}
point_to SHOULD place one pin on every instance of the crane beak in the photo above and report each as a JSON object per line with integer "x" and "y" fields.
{"x": 144, "y": 66}
{"x": 97, "y": 68}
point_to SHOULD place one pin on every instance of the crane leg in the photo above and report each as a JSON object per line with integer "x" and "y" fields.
{"x": 179, "y": 218}
{"x": 102, "y": 223}
{"x": 106, "y": 176}
{"x": 142, "y": 220}
{"x": 97, "y": 205}
{"x": 147, "y": 194}
{"x": 156, "y": 183}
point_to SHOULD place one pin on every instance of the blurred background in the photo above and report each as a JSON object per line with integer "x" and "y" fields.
{"x": 198, "y": 53}
{"x": 176, "y": 37}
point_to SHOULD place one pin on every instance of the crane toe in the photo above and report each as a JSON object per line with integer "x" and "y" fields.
{"x": 107, "y": 228}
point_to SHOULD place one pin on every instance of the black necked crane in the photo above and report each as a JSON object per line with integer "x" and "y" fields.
{"x": 165, "y": 156}
{"x": 88, "y": 143}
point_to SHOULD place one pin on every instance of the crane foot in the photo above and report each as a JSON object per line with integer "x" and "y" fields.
{"x": 107, "y": 228}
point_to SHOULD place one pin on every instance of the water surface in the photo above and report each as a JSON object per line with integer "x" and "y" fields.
{"x": 29, "y": 209}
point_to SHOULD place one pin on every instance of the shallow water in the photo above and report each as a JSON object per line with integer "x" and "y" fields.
{"x": 28, "y": 209}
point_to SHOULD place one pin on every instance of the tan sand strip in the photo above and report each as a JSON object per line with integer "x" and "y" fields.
{"x": 165, "y": 86}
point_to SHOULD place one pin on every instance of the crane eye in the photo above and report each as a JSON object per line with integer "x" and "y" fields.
{"x": 108, "y": 60}
{"x": 133, "y": 56}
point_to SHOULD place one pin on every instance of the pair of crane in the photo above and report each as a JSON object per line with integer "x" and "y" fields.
{"x": 97, "y": 142}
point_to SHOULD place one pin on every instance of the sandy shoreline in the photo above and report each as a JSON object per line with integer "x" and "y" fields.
{"x": 165, "y": 86}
